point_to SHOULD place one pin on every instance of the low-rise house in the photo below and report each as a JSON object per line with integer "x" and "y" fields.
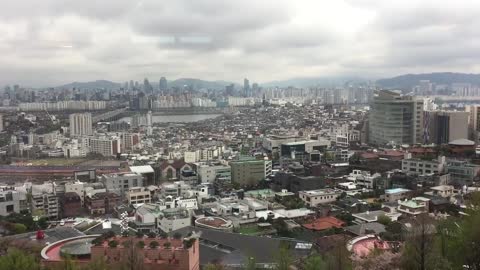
{"x": 173, "y": 219}
{"x": 313, "y": 198}
{"x": 138, "y": 195}
{"x": 214, "y": 223}
{"x": 395, "y": 194}
{"x": 414, "y": 207}
{"x": 12, "y": 201}
{"x": 461, "y": 172}
{"x": 102, "y": 203}
{"x": 372, "y": 216}
{"x": 443, "y": 191}
{"x": 120, "y": 183}
{"x": 363, "y": 179}
{"x": 366, "y": 228}
{"x": 146, "y": 216}
{"x": 323, "y": 223}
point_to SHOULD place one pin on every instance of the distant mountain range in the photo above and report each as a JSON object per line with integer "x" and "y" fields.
{"x": 406, "y": 82}
{"x": 100, "y": 84}
{"x": 403, "y": 82}
{"x": 315, "y": 81}
{"x": 109, "y": 85}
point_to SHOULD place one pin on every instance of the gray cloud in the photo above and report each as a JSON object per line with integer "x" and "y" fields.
{"x": 50, "y": 42}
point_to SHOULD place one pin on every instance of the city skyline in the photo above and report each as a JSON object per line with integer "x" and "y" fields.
{"x": 51, "y": 43}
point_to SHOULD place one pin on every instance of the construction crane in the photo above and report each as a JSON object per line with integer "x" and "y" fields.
{"x": 52, "y": 117}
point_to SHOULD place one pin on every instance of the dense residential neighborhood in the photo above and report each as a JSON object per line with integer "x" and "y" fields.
{"x": 309, "y": 179}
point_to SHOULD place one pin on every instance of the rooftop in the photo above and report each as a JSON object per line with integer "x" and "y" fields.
{"x": 462, "y": 142}
{"x": 233, "y": 248}
{"x": 142, "y": 169}
{"x": 318, "y": 192}
{"x": 214, "y": 222}
{"x": 396, "y": 190}
{"x": 366, "y": 228}
{"x": 324, "y": 223}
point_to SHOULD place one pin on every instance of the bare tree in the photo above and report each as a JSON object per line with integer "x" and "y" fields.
{"x": 419, "y": 244}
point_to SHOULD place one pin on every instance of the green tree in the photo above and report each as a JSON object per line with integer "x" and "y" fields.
{"x": 250, "y": 263}
{"x": 113, "y": 243}
{"x": 315, "y": 262}
{"x": 419, "y": 244}
{"x": 97, "y": 264}
{"x": 212, "y": 266}
{"x": 283, "y": 259}
{"x": 141, "y": 244}
{"x": 69, "y": 264}
{"x": 133, "y": 258}
{"x": 154, "y": 244}
{"x": 177, "y": 235}
{"x": 338, "y": 258}
{"x": 460, "y": 241}
{"x": 383, "y": 219}
{"x": 17, "y": 260}
{"x": 19, "y": 228}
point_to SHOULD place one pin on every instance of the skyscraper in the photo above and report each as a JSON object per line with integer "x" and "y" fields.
{"x": 163, "y": 84}
{"x": 255, "y": 89}
{"x": 395, "y": 119}
{"x": 147, "y": 87}
{"x": 149, "y": 123}
{"x": 81, "y": 124}
{"x": 246, "y": 87}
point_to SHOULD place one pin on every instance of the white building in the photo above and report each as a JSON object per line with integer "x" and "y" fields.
{"x": 208, "y": 173}
{"x": 138, "y": 195}
{"x": 81, "y": 124}
{"x": 75, "y": 148}
{"x": 445, "y": 191}
{"x": 313, "y": 198}
{"x": 120, "y": 183}
{"x": 105, "y": 146}
{"x": 12, "y": 201}
{"x": 363, "y": 179}
{"x": 71, "y": 105}
{"x": 422, "y": 167}
{"x": 173, "y": 219}
{"x": 413, "y": 207}
{"x": 76, "y": 187}
{"x": 372, "y": 216}
{"x": 129, "y": 141}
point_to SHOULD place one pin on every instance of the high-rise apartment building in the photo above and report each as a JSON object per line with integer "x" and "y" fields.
{"x": 163, "y": 84}
{"x": 81, "y": 124}
{"x": 246, "y": 87}
{"x": 105, "y": 146}
{"x": 445, "y": 126}
{"x": 395, "y": 119}
{"x": 473, "y": 121}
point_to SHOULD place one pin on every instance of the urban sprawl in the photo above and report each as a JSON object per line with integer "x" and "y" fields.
{"x": 246, "y": 177}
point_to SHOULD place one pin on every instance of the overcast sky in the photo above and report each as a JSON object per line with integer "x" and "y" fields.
{"x": 50, "y": 42}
